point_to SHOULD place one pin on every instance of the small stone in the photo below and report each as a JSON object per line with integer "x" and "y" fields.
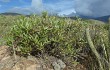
{"x": 61, "y": 63}
{"x": 56, "y": 66}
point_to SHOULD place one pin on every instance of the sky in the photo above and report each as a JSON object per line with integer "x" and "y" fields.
{"x": 94, "y": 8}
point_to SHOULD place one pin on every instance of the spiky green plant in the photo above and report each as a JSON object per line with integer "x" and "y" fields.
{"x": 59, "y": 37}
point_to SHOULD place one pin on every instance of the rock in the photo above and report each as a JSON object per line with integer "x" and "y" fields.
{"x": 25, "y": 64}
{"x": 56, "y": 66}
{"x": 4, "y": 51}
{"x": 61, "y": 63}
{"x": 8, "y": 62}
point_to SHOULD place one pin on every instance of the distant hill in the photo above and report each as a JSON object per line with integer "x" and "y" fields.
{"x": 8, "y": 13}
{"x": 104, "y": 18}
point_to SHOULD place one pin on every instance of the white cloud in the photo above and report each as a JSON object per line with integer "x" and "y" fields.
{"x": 37, "y": 6}
{"x": 60, "y": 6}
{"x": 37, "y": 3}
{"x": 26, "y": 10}
{"x": 94, "y": 8}
{"x": 67, "y": 12}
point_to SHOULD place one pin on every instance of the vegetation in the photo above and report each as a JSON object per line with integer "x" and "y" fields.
{"x": 6, "y": 23}
{"x": 59, "y": 37}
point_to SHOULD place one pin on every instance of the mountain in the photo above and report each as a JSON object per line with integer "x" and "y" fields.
{"x": 72, "y": 14}
{"x": 103, "y": 18}
{"x": 9, "y": 13}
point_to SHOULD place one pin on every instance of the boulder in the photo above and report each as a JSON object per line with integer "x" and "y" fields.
{"x": 9, "y": 62}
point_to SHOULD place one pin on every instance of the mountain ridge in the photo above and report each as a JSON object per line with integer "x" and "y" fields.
{"x": 102, "y": 18}
{"x": 10, "y": 13}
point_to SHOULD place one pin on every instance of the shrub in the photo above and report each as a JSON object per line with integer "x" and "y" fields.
{"x": 59, "y": 37}
{"x": 35, "y": 34}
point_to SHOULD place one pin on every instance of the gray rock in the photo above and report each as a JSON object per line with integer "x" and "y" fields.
{"x": 56, "y": 66}
{"x": 61, "y": 63}
{"x": 8, "y": 62}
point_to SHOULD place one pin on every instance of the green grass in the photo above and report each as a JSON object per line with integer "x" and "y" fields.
{"x": 59, "y": 37}
{"x": 6, "y": 23}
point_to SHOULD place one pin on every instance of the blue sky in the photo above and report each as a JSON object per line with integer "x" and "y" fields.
{"x": 37, "y": 6}
{"x": 94, "y": 8}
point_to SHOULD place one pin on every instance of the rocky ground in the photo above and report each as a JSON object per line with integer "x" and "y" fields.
{"x": 10, "y": 62}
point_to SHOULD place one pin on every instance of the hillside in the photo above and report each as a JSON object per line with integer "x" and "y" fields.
{"x": 62, "y": 38}
{"x": 103, "y": 18}
{"x": 9, "y": 13}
